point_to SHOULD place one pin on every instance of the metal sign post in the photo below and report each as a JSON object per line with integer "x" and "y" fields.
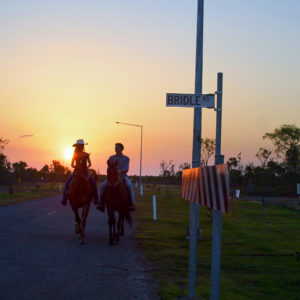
{"x": 217, "y": 215}
{"x": 198, "y": 100}
{"x": 194, "y": 207}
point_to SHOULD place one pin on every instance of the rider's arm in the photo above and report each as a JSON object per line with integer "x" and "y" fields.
{"x": 89, "y": 161}
{"x": 73, "y": 162}
{"x": 125, "y": 168}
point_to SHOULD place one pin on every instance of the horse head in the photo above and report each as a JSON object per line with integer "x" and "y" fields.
{"x": 112, "y": 173}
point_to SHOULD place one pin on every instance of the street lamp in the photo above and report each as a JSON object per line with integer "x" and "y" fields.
{"x": 141, "y": 152}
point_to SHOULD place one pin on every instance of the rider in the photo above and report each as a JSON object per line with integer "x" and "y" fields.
{"x": 123, "y": 167}
{"x": 80, "y": 162}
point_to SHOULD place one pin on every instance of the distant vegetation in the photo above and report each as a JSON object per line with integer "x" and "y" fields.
{"x": 277, "y": 172}
{"x": 12, "y": 173}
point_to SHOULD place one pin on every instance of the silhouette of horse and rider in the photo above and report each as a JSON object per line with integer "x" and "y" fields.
{"x": 116, "y": 192}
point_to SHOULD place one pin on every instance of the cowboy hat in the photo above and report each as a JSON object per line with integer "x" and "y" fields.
{"x": 79, "y": 142}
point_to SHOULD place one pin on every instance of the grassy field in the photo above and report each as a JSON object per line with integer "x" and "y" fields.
{"x": 258, "y": 260}
{"x": 27, "y": 192}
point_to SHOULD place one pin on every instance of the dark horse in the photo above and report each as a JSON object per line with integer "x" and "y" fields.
{"x": 116, "y": 199}
{"x": 80, "y": 196}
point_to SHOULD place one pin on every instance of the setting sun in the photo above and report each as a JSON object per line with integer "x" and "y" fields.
{"x": 68, "y": 154}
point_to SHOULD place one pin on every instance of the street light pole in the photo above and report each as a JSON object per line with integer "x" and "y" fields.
{"x": 141, "y": 156}
{"x": 141, "y": 150}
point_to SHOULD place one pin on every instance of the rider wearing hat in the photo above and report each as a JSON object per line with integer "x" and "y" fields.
{"x": 80, "y": 162}
{"x": 123, "y": 167}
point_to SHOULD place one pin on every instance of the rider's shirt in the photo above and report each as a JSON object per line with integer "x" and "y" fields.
{"x": 81, "y": 160}
{"x": 123, "y": 163}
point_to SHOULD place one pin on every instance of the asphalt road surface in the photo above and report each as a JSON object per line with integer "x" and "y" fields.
{"x": 40, "y": 256}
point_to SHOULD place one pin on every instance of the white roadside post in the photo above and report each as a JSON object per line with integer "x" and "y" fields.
{"x": 237, "y": 196}
{"x": 60, "y": 187}
{"x": 217, "y": 215}
{"x": 154, "y": 207}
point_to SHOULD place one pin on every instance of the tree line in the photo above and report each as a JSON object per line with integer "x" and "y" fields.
{"x": 277, "y": 172}
{"x": 12, "y": 173}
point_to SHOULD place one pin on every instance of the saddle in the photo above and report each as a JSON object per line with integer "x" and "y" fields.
{"x": 81, "y": 172}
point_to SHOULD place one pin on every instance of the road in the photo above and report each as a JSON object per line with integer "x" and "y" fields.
{"x": 40, "y": 256}
{"x": 281, "y": 201}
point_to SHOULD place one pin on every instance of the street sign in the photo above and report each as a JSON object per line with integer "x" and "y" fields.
{"x": 190, "y": 100}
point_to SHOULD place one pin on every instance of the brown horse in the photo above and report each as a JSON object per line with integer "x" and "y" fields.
{"x": 116, "y": 199}
{"x": 80, "y": 196}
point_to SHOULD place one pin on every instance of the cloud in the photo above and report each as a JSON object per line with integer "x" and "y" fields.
{"x": 26, "y": 135}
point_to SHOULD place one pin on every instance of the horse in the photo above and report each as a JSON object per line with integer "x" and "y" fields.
{"x": 80, "y": 196}
{"x": 117, "y": 200}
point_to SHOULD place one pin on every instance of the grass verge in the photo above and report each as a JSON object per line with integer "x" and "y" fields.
{"x": 28, "y": 192}
{"x": 258, "y": 260}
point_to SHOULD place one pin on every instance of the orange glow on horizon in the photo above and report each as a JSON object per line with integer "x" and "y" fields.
{"x": 68, "y": 153}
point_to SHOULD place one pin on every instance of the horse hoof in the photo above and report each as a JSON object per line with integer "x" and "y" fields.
{"x": 82, "y": 242}
{"x": 122, "y": 233}
{"x": 111, "y": 242}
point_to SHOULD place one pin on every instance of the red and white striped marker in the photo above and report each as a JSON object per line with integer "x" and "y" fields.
{"x": 208, "y": 186}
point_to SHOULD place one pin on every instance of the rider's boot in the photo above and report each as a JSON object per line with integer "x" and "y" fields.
{"x": 64, "y": 200}
{"x": 131, "y": 205}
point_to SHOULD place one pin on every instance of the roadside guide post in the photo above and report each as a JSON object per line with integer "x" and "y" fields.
{"x": 154, "y": 208}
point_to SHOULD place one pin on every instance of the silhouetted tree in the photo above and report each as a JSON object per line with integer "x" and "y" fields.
{"x": 44, "y": 173}
{"x": 263, "y": 155}
{"x": 286, "y": 140}
{"x": 182, "y": 167}
{"x": 58, "y": 171}
{"x": 19, "y": 170}
{"x": 208, "y": 149}
{"x": 167, "y": 169}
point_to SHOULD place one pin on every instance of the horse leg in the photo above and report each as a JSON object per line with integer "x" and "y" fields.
{"x": 119, "y": 226}
{"x": 122, "y": 227}
{"x": 77, "y": 220}
{"x": 114, "y": 226}
{"x": 111, "y": 222}
{"x": 85, "y": 212}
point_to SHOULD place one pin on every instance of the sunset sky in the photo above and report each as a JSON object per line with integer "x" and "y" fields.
{"x": 71, "y": 69}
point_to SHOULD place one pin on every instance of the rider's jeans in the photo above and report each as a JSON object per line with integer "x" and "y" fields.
{"x": 128, "y": 183}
